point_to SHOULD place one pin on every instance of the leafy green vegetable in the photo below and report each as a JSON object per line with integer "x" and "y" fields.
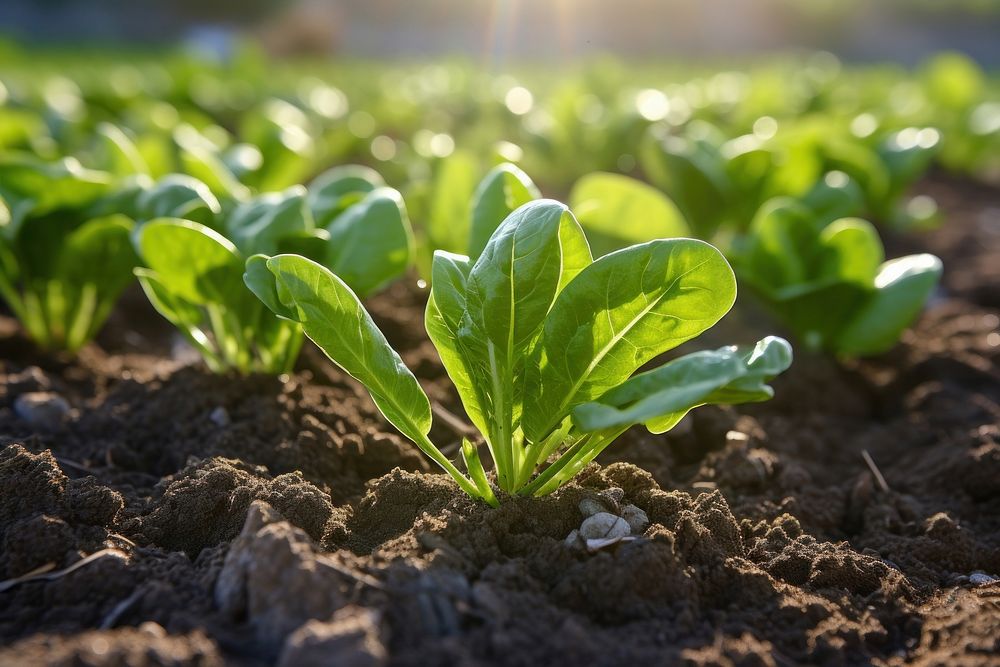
{"x": 829, "y": 283}
{"x": 195, "y": 280}
{"x": 194, "y": 275}
{"x": 61, "y": 276}
{"x": 61, "y": 267}
{"x": 542, "y": 343}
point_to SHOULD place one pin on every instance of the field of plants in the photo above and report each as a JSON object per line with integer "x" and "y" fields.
{"x": 321, "y": 363}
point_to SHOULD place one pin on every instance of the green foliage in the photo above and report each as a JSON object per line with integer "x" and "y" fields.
{"x": 542, "y": 343}
{"x": 194, "y": 274}
{"x": 61, "y": 267}
{"x": 618, "y": 211}
{"x": 829, "y": 283}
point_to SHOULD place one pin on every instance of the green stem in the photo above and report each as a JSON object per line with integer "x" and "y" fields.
{"x": 428, "y": 448}
{"x": 556, "y": 466}
{"x": 577, "y": 461}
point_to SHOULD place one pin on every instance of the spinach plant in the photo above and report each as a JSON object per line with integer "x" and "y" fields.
{"x": 193, "y": 275}
{"x": 62, "y": 265}
{"x": 542, "y": 343}
{"x": 830, "y": 283}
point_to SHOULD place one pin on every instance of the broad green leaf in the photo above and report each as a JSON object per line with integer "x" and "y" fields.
{"x": 851, "y": 252}
{"x": 333, "y": 318}
{"x": 783, "y": 246}
{"x": 183, "y": 315}
{"x": 454, "y": 182}
{"x": 443, "y": 319}
{"x": 660, "y": 398}
{"x": 192, "y": 261}
{"x": 99, "y": 253}
{"x": 618, "y": 211}
{"x": 180, "y": 196}
{"x": 516, "y": 279}
{"x": 620, "y": 312}
{"x": 49, "y": 186}
{"x": 259, "y": 225}
{"x": 335, "y": 190}
{"x": 371, "y": 243}
{"x": 692, "y": 175}
{"x": 504, "y": 189}
{"x": 259, "y": 279}
{"x": 902, "y": 287}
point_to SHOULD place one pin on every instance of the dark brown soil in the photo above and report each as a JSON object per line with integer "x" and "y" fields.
{"x": 173, "y": 517}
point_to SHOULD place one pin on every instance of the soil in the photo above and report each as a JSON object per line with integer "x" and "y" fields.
{"x": 173, "y": 517}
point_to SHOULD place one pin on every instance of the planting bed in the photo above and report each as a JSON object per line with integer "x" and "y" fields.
{"x": 221, "y": 520}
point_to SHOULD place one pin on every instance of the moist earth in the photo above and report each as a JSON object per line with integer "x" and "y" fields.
{"x": 154, "y": 514}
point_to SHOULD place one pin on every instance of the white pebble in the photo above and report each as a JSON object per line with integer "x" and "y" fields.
{"x": 604, "y": 525}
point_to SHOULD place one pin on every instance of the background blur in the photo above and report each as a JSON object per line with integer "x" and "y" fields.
{"x": 496, "y": 31}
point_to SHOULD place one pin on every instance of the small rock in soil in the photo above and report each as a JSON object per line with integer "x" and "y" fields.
{"x": 220, "y": 417}
{"x": 604, "y": 525}
{"x": 273, "y": 575}
{"x": 42, "y": 409}
{"x": 351, "y": 638}
{"x": 590, "y": 506}
{"x": 636, "y": 519}
{"x": 981, "y": 579}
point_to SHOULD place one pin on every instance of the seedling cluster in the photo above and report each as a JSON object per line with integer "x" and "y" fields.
{"x": 551, "y": 320}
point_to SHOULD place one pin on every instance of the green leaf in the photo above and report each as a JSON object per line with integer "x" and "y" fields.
{"x": 783, "y": 246}
{"x": 620, "y": 312}
{"x": 454, "y": 182}
{"x": 902, "y": 287}
{"x": 200, "y": 158}
{"x": 179, "y": 196}
{"x": 99, "y": 252}
{"x": 335, "y": 190}
{"x": 185, "y": 316}
{"x": 371, "y": 243}
{"x": 504, "y": 189}
{"x": 851, "y": 252}
{"x": 836, "y": 195}
{"x": 443, "y": 321}
{"x": 43, "y": 187}
{"x": 192, "y": 261}
{"x": 259, "y": 225}
{"x": 259, "y": 279}
{"x": 333, "y": 318}
{"x": 618, "y": 211}
{"x": 660, "y": 398}
{"x": 692, "y": 174}
{"x": 515, "y": 281}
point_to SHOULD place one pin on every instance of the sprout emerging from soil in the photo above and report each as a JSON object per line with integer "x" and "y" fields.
{"x": 542, "y": 343}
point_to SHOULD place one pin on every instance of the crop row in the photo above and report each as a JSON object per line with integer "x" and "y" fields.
{"x": 186, "y": 176}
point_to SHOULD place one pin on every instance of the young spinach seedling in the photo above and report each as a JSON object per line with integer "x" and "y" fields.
{"x": 829, "y": 282}
{"x": 194, "y": 274}
{"x": 61, "y": 267}
{"x": 542, "y": 343}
